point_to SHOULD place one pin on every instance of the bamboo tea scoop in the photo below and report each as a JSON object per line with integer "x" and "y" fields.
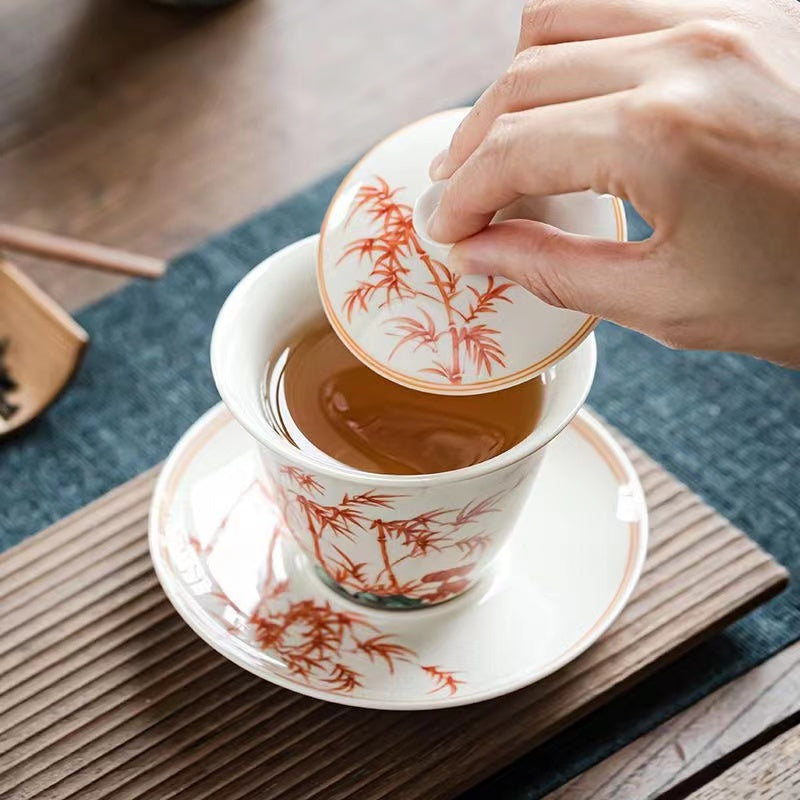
{"x": 88, "y": 254}
{"x": 40, "y": 348}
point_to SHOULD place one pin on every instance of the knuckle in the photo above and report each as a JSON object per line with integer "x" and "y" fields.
{"x": 528, "y": 66}
{"x": 538, "y": 19}
{"x": 526, "y": 59}
{"x": 517, "y": 87}
{"x": 506, "y": 123}
{"x": 501, "y": 134}
{"x": 516, "y": 82}
{"x": 609, "y": 177}
{"x": 499, "y": 160}
{"x": 542, "y": 283}
{"x": 507, "y": 86}
{"x": 659, "y": 116}
{"x": 547, "y": 281}
{"x": 712, "y": 39}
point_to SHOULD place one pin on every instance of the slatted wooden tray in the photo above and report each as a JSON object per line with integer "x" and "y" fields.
{"x": 105, "y": 693}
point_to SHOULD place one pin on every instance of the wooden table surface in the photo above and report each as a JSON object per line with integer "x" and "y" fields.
{"x": 149, "y": 129}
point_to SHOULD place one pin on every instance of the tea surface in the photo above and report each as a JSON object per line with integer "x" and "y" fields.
{"x": 326, "y": 402}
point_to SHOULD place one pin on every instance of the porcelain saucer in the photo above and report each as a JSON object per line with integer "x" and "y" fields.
{"x": 233, "y": 573}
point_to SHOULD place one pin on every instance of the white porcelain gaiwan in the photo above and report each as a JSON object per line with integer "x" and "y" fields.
{"x": 392, "y": 300}
{"x": 388, "y": 541}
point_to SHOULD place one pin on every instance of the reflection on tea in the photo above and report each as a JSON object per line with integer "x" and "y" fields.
{"x": 326, "y": 402}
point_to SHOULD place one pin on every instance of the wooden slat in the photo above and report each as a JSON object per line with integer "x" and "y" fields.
{"x": 701, "y": 740}
{"x": 87, "y": 522}
{"x": 102, "y": 586}
{"x": 92, "y": 620}
{"x": 771, "y": 773}
{"x": 104, "y": 693}
{"x": 68, "y": 673}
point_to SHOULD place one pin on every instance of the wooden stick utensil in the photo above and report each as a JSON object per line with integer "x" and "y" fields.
{"x": 62, "y": 248}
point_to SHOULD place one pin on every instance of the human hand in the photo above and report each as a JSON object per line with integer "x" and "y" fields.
{"x": 690, "y": 109}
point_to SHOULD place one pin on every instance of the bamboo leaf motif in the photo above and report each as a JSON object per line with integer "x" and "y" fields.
{"x": 381, "y": 647}
{"x": 391, "y": 249}
{"x": 436, "y": 530}
{"x": 319, "y": 644}
{"x": 444, "y": 680}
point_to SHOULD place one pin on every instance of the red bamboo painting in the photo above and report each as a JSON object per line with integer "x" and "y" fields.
{"x": 370, "y": 516}
{"x": 321, "y": 646}
{"x": 448, "y": 321}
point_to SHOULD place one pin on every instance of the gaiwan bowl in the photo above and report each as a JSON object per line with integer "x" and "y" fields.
{"x": 392, "y": 300}
{"x": 388, "y": 541}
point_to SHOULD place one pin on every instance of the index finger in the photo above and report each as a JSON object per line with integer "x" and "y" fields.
{"x": 554, "y": 21}
{"x": 548, "y": 75}
{"x": 549, "y": 150}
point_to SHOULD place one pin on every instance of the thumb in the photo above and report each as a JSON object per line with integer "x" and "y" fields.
{"x": 596, "y": 276}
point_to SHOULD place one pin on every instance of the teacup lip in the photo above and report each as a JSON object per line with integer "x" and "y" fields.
{"x": 263, "y": 433}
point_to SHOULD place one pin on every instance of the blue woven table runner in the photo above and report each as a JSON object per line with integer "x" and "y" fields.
{"x": 726, "y": 425}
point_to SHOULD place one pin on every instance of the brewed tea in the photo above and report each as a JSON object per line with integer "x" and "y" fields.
{"x": 326, "y": 402}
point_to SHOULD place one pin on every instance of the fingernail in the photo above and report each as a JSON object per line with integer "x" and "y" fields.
{"x": 433, "y": 226}
{"x": 467, "y": 259}
{"x": 436, "y": 170}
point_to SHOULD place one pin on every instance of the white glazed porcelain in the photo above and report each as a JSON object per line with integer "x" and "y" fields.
{"x": 386, "y": 540}
{"x": 391, "y": 299}
{"x": 223, "y": 556}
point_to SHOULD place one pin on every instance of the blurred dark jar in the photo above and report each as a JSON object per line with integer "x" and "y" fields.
{"x": 194, "y": 3}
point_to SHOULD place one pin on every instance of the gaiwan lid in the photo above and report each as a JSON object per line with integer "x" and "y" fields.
{"x": 394, "y": 303}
